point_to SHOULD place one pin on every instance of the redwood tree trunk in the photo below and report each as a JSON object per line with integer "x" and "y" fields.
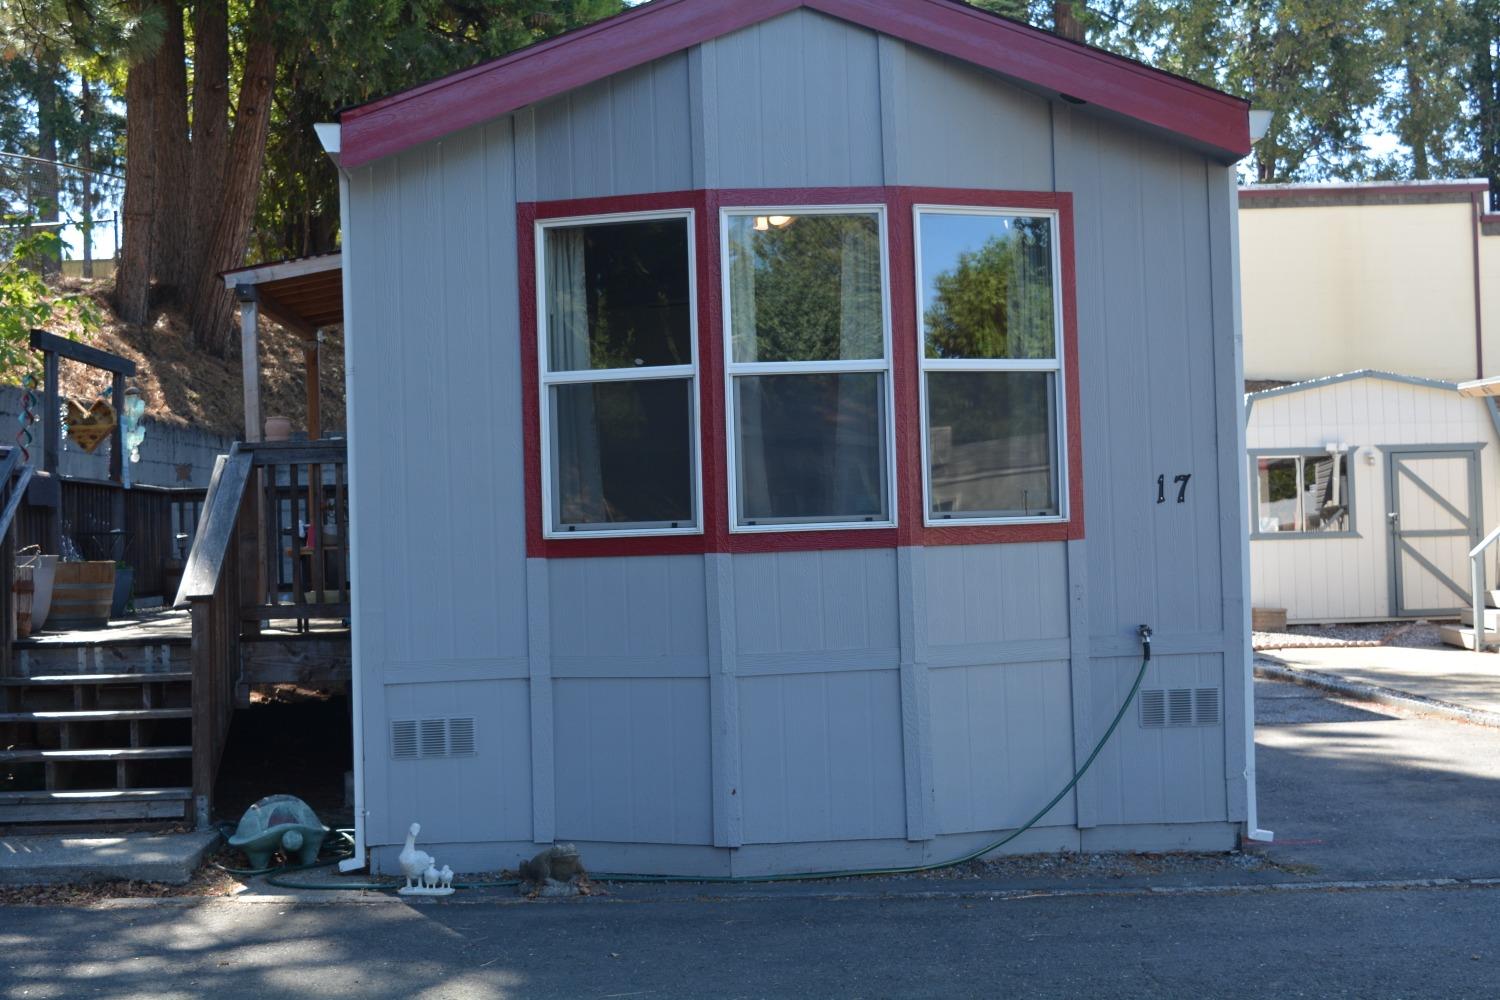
{"x": 210, "y": 143}
{"x": 1064, "y": 22}
{"x": 47, "y": 194}
{"x": 133, "y": 275}
{"x": 212, "y": 303}
{"x": 171, "y": 266}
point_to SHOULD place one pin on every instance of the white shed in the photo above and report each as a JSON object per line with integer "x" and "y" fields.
{"x": 1367, "y": 491}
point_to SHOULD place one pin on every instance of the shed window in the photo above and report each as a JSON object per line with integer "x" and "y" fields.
{"x": 808, "y": 367}
{"x": 991, "y": 382}
{"x": 1302, "y": 493}
{"x": 619, "y": 372}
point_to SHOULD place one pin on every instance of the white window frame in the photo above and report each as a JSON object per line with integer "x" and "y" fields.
{"x": 547, "y": 379}
{"x": 881, "y": 365}
{"x": 1057, "y": 364}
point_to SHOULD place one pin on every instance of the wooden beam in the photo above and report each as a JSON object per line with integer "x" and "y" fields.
{"x": 250, "y": 359}
{"x": 314, "y": 379}
{"x": 279, "y": 312}
{"x": 41, "y": 340}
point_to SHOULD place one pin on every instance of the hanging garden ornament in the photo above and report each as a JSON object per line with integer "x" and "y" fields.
{"x": 26, "y": 417}
{"x": 88, "y": 427}
{"x": 134, "y": 422}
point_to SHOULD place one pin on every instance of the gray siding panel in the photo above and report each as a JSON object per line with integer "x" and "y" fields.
{"x": 821, "y": 757}
{"x": 624, "y": 135}
{"x": 1004, "y": 745}
{"x": 785, "y": 698}
{"x": 996, "y": 593}
{"x": 812, "y": 602}
{"x": 964, "y": 127}
{"x": 636, "y": 608}
{"x": 795, "y": 102}
{"x": 1142, "y": 339}
{"x": 439, "y": 217}
{"x": 632, "y": 761}
{"x": 1172, "y": 775}
{"x": 483, "y": 797}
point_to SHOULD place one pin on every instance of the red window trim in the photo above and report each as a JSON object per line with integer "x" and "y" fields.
{"x": 905, "y": 371}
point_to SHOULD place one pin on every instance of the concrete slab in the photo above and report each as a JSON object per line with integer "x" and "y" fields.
{"x": 145, "y": 857}
{"x": 1446, "y": 675}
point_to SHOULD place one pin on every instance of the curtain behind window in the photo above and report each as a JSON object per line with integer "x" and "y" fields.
{"x": 580, "y": 480}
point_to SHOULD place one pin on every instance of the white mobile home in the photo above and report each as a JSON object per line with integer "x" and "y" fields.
{"x": 1367, "y": 491}
{"x": 769, "y": 426}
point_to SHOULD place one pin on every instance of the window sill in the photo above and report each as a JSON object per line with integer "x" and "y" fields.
{"x": 1283, "y": 536}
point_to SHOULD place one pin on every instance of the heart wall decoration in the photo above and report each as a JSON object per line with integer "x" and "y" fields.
{"x": 88, "y": 427}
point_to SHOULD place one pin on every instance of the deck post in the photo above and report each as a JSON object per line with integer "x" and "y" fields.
{"x": 250, "y": 357}
{"x": 205, "y": 649}
{"x": 52, "y": 447}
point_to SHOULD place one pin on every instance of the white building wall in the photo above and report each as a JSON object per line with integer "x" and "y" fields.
{"x": 1348, "y": 578}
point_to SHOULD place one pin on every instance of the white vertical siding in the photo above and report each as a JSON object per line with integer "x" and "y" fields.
{"x": 1348, "y": 579}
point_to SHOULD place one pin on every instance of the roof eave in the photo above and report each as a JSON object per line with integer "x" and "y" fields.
{"x": 1208, "y": 118}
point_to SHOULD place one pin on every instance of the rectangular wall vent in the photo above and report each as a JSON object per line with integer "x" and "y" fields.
{"x": 1153, "y": 708}
{"x": 418, "y": 739}
{"x": 1163, "y": 708}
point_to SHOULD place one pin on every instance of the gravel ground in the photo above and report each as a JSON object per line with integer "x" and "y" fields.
{"x": 1410, "y": 635}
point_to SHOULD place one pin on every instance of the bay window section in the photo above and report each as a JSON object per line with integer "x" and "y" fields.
{"x": 991, "y": 369}
{"x": 807, "y": 324}
{"x": 619, "y": 374}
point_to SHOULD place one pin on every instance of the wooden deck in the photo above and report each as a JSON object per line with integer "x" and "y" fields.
{"x": 168, "y": 625}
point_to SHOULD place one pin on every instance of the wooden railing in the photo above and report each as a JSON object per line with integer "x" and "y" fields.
{"x": 14, "y": 478}
{"x": 152, "y": 519}
{"x": 246, "y": 569}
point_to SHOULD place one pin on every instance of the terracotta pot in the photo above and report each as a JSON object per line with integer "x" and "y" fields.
{"x": 278, "y": 429}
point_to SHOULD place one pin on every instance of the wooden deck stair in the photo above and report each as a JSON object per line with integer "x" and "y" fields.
{"x": 82, "y": 746}
{"x": 1462, "y": 636}
{"x": 131, "y": 722}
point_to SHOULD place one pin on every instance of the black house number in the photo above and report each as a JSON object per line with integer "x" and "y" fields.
{"x": 1181, "y": 482}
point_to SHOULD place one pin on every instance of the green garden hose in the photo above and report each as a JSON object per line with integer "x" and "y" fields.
{"x": 278, "y": 879}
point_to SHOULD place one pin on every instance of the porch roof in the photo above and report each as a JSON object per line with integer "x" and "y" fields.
{"x": 302, "y": 294}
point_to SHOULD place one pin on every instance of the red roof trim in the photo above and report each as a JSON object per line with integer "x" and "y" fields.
{"x": 392, "y": 124}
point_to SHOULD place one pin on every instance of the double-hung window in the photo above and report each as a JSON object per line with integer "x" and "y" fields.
{"x": 619, "y": 414}
{"x": 808, "y": 379}
{"x": 990, "y": 330}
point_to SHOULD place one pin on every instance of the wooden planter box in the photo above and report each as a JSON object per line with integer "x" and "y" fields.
{"x": 1268, "y": 619}
{"x": 82, "y": 593}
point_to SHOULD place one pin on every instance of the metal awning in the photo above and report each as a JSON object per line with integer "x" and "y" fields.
{"x": 305, "y": 295}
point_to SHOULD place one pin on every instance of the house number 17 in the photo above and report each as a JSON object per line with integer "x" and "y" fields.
{"x": 1179, "y": 481}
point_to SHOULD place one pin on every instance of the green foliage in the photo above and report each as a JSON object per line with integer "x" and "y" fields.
{"x": 337, "y": 53}
{"x": 28, "y": 303}
{"x": 997, "y": 301}
{"x": 816, "y": 289}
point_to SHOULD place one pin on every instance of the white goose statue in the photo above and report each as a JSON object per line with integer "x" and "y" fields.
{"x": 414, "y": 863}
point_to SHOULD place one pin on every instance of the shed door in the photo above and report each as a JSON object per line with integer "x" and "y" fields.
{"x": 1434, "y": 521}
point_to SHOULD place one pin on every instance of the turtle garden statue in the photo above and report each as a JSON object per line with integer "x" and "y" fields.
{"x": 279, "y": 821}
